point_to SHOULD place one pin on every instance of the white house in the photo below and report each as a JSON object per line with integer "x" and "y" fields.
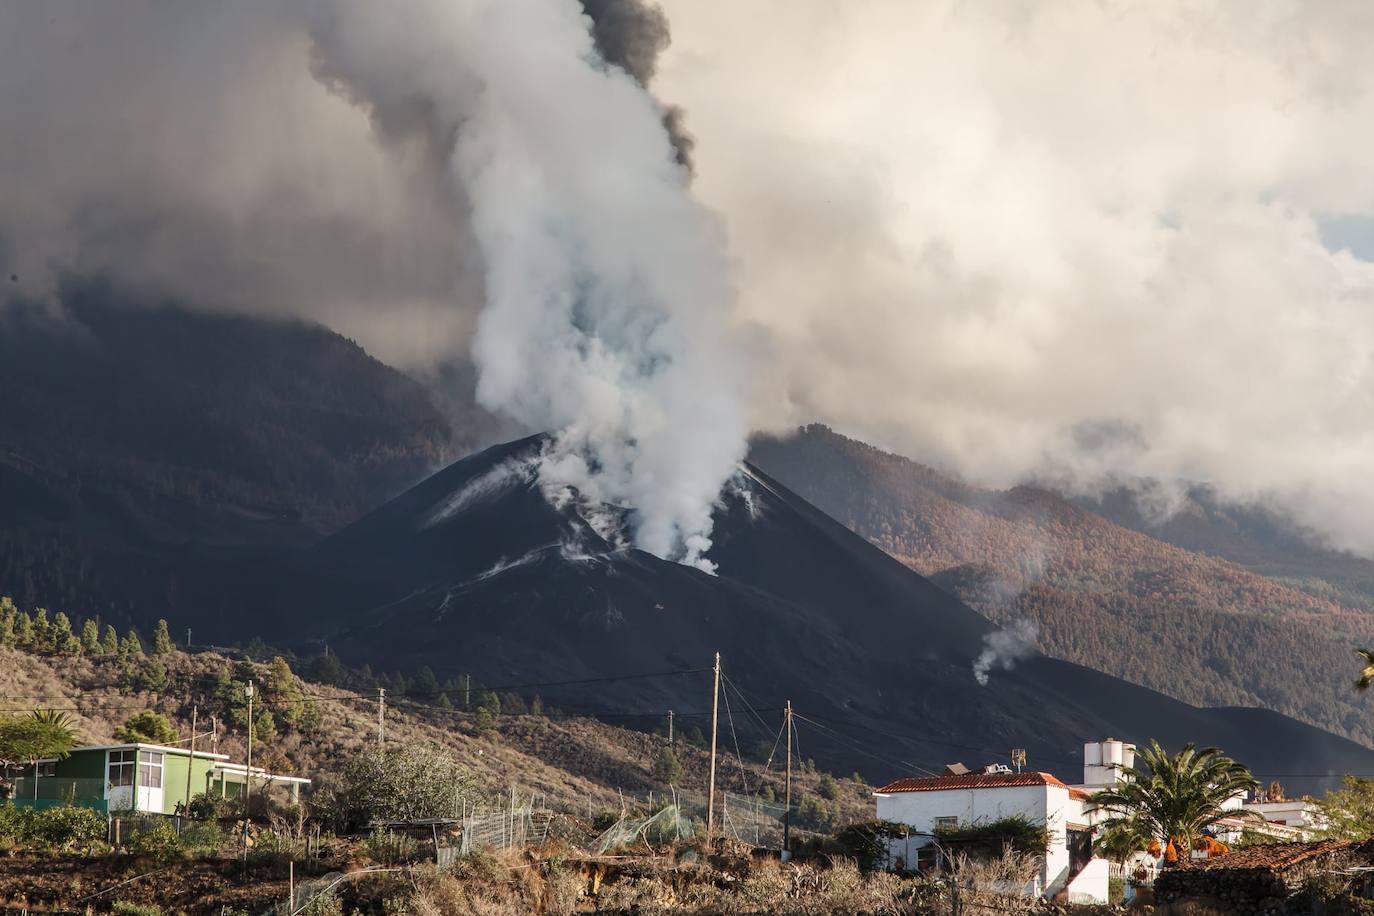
{"x": 928, "y": 804}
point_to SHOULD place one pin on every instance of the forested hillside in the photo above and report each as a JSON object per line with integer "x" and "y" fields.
{"x": 1250, "y": 536}
{"x": 1198, "y": 627}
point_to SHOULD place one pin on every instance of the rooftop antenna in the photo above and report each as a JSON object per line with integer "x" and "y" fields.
{"x": 1018, "y": 758}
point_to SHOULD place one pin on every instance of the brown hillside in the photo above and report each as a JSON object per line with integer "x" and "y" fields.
{"x": 1197, "y": 627}
{"x": 577, "y": 765}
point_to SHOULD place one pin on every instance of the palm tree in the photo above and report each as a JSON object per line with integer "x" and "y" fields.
{"x": 1175, "y": 797}
{"x": 46, "y": 733}
{"x": 1122, "y": 838}
{"x": 1367, "y": 673}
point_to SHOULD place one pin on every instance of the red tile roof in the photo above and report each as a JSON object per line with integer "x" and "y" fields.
{"x": 970, "y": 781}
{"x": 1271, "y": 857}
{"x": 1080, "y": 794}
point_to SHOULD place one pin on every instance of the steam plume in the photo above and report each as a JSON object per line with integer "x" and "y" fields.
{"x": 1004, "y": 648}
{"x": 605, "y": 283}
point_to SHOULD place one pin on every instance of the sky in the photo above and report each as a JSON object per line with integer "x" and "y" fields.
{"x": 1082, "y": 243}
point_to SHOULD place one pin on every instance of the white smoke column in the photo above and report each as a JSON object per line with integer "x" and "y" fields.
{"x": 1004, "y": 648}
{"x": 606, "y": 283}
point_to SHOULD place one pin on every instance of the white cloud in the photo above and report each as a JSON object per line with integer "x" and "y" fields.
{"x": 1081, "y": 241}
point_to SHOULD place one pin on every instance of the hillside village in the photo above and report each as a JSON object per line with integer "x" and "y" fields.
{"x": 151, "y": 772}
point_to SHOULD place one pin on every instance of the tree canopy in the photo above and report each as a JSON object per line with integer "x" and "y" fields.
{"x": 26, "y": 739}
{"x": 147, "y": 727}
{"x": 1175, "y": 797}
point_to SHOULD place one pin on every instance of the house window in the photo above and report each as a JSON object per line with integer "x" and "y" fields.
{"x": 48, "y": 769}
{"x": 946, "y": 823}
{"x": 150, "y": 769}
{"x": 121, "y": 768}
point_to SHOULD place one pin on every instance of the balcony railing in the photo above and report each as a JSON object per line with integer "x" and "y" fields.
{"x": 57, "y": 788}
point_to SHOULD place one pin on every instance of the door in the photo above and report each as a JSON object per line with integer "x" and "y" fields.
{"x": 119, "y": 781}
{"x": 150, "y": 781}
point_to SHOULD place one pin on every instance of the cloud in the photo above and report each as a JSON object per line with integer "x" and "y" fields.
{"x": 1085, "y": 243}
{"x": 1076, "y": 242}
{"x": 443, "y": 179}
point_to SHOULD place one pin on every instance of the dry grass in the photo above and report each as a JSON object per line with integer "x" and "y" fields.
{"x": 497, "y": 887}
{"x": 577, "y": 765}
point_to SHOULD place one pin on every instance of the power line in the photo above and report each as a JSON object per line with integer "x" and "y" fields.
{"x": 607, "y": 679}
{"x": 856, "y": 745}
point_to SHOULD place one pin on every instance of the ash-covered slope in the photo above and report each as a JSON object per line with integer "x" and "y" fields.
{"x": 473, "y": 571}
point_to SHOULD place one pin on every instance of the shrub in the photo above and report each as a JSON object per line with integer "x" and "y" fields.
{"x": 868, "y": 842}
{"x": 990, "y": 838}
{"x": 395, "y": 784}
{"x": 326, "y": 904}
{"x": 158, "y": 842}
{"x": 15, "y": 824}
{"x": 605, "y": 820}
{"x": 387, "y": 848}
{"x": 208, "y": 807}
{"x": 67, "y": 826}
{"x": 203, "y": 836}
{"x": 129, "y": 908}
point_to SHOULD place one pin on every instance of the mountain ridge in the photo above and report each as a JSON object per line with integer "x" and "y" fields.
{"x": 1195, "y": 626}
{"x": 801, "y": 608}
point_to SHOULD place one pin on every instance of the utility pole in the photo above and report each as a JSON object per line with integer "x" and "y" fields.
{"x": 214, "y": 734}
{"x": 192, "y": 764}
{"x": 711, "y": 782}
{"x": 670, "y": 728}
{"x": 787, "y": 786}
{"x": 188, "y": 648}
{"x": 467, "y": 692}
{"x": 381, "y": 717}
{"x": 248, "y": 775}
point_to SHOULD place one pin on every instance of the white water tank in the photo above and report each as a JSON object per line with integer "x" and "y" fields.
{"x": 1103, "y": 761}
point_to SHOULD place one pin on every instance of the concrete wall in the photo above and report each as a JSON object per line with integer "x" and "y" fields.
{"x": 1091, "y": 884}
{"x": 1048, "y": 805}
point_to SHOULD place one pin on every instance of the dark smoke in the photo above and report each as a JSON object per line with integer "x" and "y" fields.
{"x": 631, "y": 34}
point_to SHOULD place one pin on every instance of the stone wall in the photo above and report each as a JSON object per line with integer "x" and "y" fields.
{"x": 1247, "y": 891}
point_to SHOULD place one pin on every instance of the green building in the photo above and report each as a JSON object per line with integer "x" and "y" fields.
{"x": 149, "y": 778}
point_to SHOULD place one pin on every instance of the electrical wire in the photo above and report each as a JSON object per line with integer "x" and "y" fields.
{"x": 739, "y": 758}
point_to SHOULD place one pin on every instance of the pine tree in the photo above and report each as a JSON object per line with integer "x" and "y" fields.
{"x": 425, "y": 683}
{"x": 282, "y": 691}
{"x": 90, "y": 637}
{"x": 109, "y": 645}
{"x": 23, "y": 631}
{"x": 60, "y": 635}
{"x": 42, "y": 631}
{"x": 8, "y": 613}
{"x": 667, "y": 769}
{"x": 130, "y": 647}
{"x": 152, "y": 677}
{"x": 326, "y": 668}
{"x": 162, "y": 640}
{"x": 536, "y": 706}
